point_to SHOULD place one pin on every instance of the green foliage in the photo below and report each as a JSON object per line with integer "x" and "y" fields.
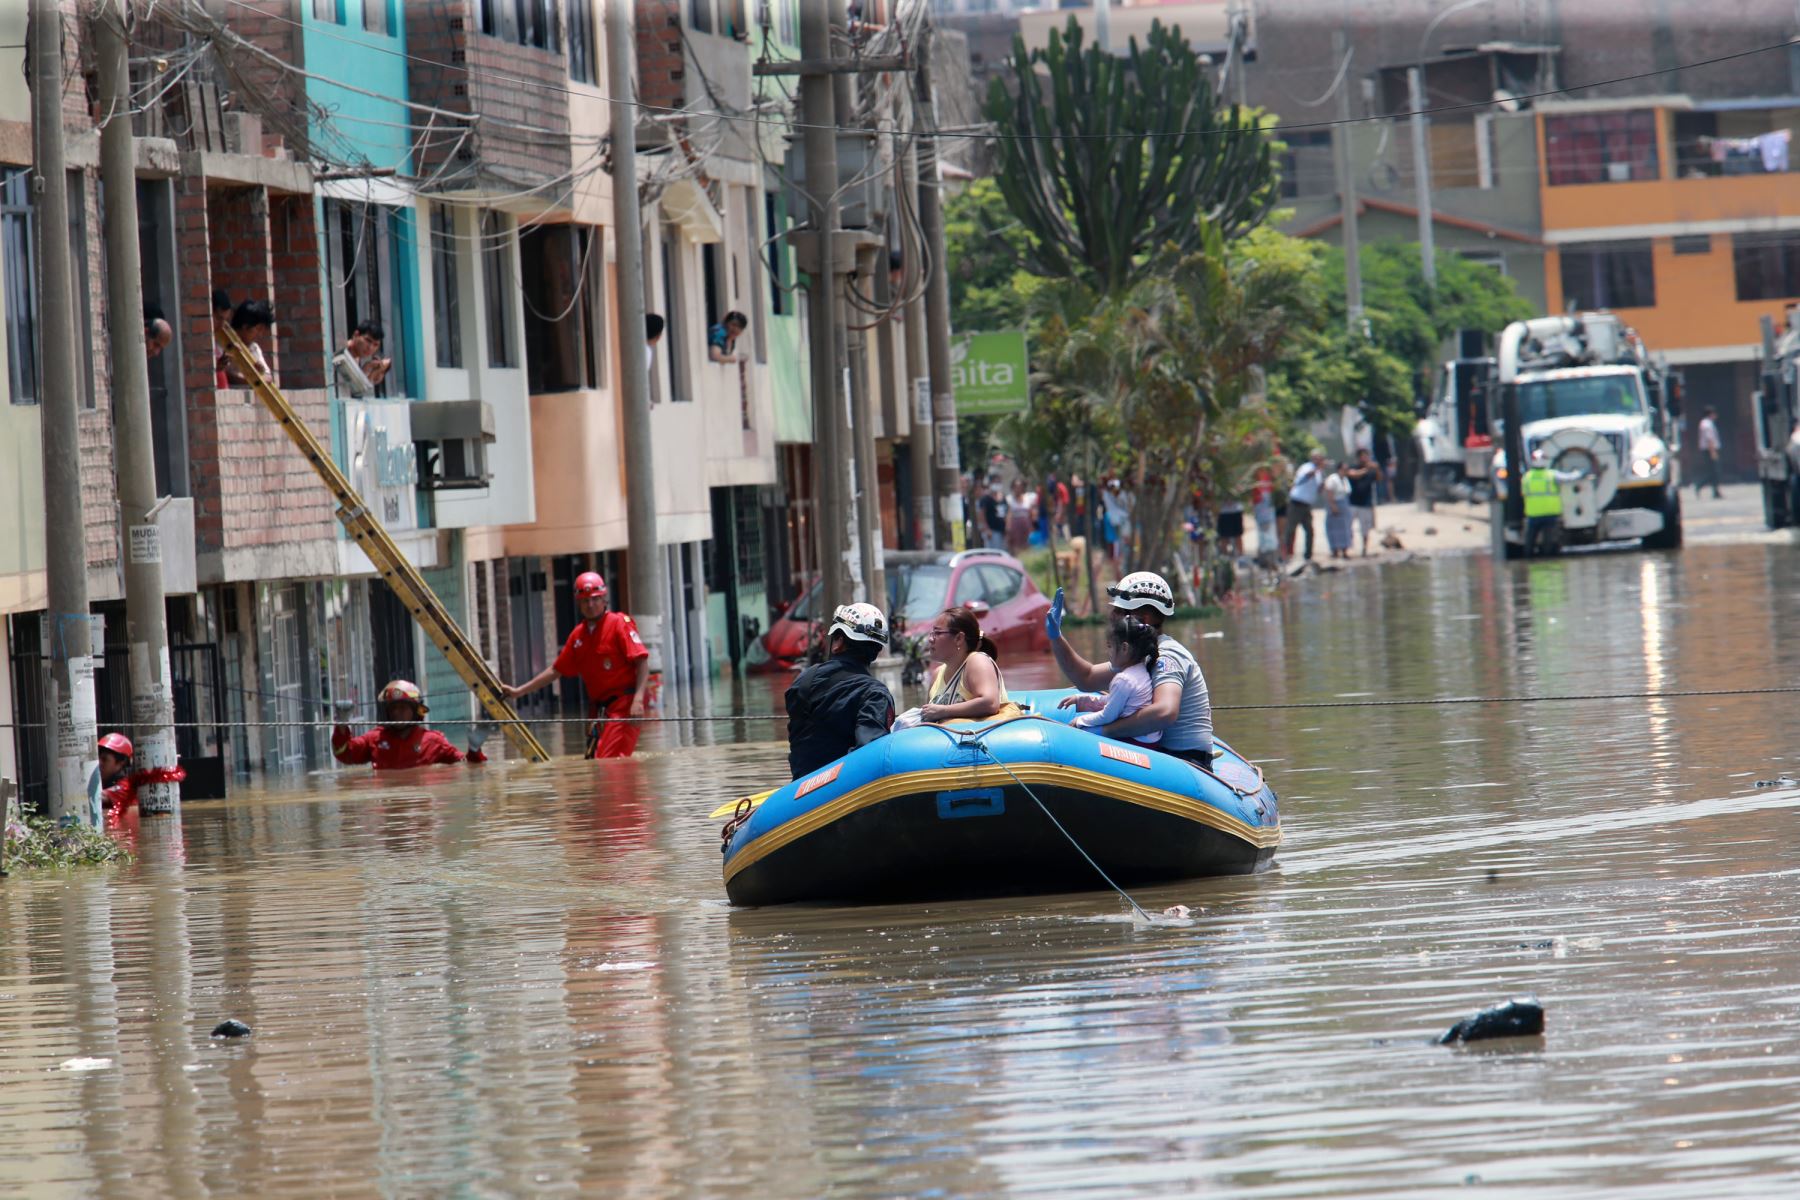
{"x": 1116, "y": 159}
{"x": 986, "y": 247}
{"x": 38, "y": 843}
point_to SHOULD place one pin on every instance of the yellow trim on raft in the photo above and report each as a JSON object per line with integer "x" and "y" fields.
{"x": 1043, "y": 774}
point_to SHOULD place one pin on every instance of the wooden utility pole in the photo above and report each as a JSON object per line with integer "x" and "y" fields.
{"x": 69, "y": 702}
{"x": 1346, "y": 165}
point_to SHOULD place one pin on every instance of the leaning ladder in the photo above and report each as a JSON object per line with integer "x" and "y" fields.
{"x": 400, "y": 575}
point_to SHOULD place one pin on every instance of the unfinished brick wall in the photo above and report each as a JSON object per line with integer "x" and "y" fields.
{"x": 457, "y": 68}
{"x": 299, "y": 296}
{"x": 662, "y": 66}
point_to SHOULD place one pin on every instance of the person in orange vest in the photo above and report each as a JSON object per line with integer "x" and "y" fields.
{"x": 401, "y": 740}
{"x": 118, "y": 782}
{"x": 614, "y": 665}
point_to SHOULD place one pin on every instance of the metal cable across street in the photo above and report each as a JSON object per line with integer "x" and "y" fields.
{"x": 1410, "y": 702}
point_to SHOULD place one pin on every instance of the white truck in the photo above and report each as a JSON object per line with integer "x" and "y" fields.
{"x": 1454, "y": 435}
{"x": 1592, "y": 399}
{"x": 1777, "y": 408}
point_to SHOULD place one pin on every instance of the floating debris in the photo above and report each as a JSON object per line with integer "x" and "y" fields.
{"x": 84, "y": 1064}
{"x": 231, "y": 1027}
{"x": 1523, "y": 1017}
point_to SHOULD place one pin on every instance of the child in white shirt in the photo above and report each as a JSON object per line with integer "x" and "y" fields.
{"x": 1131, "y": 644}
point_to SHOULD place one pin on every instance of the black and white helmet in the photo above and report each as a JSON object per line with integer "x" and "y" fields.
{"x": 1143, "y": 589}
{"x": 860, "y": 623}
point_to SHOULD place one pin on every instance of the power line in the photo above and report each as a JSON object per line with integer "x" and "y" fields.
{"x": 999, "y": 135}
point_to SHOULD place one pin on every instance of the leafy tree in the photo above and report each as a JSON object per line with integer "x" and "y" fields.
{"x": 1111, "y": 160}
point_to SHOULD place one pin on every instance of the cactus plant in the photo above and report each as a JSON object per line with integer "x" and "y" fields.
{"x": 1109, "y": 160}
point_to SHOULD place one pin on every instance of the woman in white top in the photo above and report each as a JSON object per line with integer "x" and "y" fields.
{"x": 1133, "y": 647}
{"x": 967, "y": 685}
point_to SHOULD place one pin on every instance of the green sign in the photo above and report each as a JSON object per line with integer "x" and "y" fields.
{"x": 989, "y": 372}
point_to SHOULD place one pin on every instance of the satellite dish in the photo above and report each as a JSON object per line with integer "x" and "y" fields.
{"x": 1505, "y": 101}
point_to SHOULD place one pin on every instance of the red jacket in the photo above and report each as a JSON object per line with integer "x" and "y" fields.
{"x": 123, "y": 794}
{"x": 421, "y": 748}
{"x": 605, "y": 656}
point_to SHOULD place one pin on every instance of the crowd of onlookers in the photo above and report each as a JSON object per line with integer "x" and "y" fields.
{"x": 1288, "y": 505}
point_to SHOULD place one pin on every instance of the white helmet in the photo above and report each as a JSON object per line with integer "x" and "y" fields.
{"x": 860, "y": 623}
{"x": 1140, "y": 589}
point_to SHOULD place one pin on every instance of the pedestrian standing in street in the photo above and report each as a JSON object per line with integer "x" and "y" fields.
{"x": 838, "y": 706}
{"x": 1364, "y": 478}
{"x": 992, "y": 507}
{"x": 1229, "y": 525}
{"x": 613, "y": 664}
{"x": 1303, "y": 497}
{"x": 1021, "y": 515}
{"x": 1262, "y": 507}
{"x": 1710, "y": 446}
{"x": 1056, "y": 509}
{"x": 1336, "y": 491}
{"x": 1118, "y": 504}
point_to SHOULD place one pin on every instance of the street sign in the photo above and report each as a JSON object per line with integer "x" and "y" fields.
{"x": 989, "y": 372}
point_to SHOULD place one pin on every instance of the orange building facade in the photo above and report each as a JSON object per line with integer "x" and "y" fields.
{"x": 1683, "y": 216}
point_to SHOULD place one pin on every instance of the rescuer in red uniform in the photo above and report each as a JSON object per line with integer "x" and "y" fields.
{"x": 613, "y": 663}
{"x": 401, "y": 740}
{"x": 118, "y": 782}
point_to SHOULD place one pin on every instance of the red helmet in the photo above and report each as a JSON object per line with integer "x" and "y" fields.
{"x": 589, "y": 583}
{"x": 118, "y": 743}
{"x": 403, "y": 689}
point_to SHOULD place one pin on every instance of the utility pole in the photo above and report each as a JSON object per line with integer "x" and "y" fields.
{"x": 69, "y": 704}
{"x": 643, "y": 556}
{"x": 831, "y": 451}
{"x": 918, "y": 393}
{"x": 1415, "y": 86}
{"x": 937, "y": 315}
{"x": 862, "y": 440}
{"x": 1103, "y": 25}
{"x": 1347, "y": 188}
{"x": 146, "y": 617}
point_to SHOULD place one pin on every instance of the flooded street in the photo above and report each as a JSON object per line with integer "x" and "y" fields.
{"x": 526, "y": 980}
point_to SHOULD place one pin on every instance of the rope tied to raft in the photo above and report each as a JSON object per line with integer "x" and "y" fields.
{"x": 745, "y": 807}
{"x": 976, "y": 744}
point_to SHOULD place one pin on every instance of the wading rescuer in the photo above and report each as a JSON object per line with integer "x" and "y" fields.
{"x": 614, "y": 665}
{"x": 119, "y": 783}
{"x": 1541, "y": 488}
{"x": 401, "y": 740}
{"x": 1180, "y": 708}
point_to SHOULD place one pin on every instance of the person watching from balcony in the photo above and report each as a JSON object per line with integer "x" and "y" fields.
{"x": 158, "y": 333}
{"x": 221, "y": 320}
{"x": 721, "y": 339}
{"x": 359, "y": 367}
{"x": 252, "y": 321}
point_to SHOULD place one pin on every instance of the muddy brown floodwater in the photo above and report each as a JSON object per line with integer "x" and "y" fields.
{"x": 526, "y": 980}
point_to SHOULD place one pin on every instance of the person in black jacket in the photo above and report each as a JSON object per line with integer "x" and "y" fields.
{"x": 838, "y": 706}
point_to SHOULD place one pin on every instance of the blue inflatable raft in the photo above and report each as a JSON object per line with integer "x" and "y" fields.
{"x": 948, "y": 810}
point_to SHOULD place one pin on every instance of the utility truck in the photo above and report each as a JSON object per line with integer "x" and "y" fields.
{"x": 1778, "y": 422}
{"x": 1582, "y": 389}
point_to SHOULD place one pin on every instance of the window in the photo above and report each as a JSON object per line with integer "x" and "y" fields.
{"x": 20, "y": 284}
{"x": 446, "y": 287}
{"x": 776, "y": 256}
{"x": 581, "y": 40}
{"x": 1694, "y": 243}
{"x": 375, "y": 16}
{"x": 1767, "y": 265}
{"x": 1609, "y": 275}
{"x": 748, "y": 540}
{"x": 565, "y": 304}
{"x": 521, "y": 22}
{"x": 326, "y": 10}
{"x": 1608, "y": 147}
{"x": 700, "y": 15}
{"x": 759, "y": 324}
{"x": 1002, "y": 583}
{"x": 360, "y": 257}
{"x": 496, "y": 286}
{"x": 1306, "y": 167}
{"x": 969, "y": 586}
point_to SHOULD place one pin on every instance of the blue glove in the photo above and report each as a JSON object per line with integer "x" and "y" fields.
{"x": 1053, "y": 618}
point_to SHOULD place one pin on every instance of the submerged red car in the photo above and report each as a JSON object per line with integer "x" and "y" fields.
{"x": 920, "y": 585}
